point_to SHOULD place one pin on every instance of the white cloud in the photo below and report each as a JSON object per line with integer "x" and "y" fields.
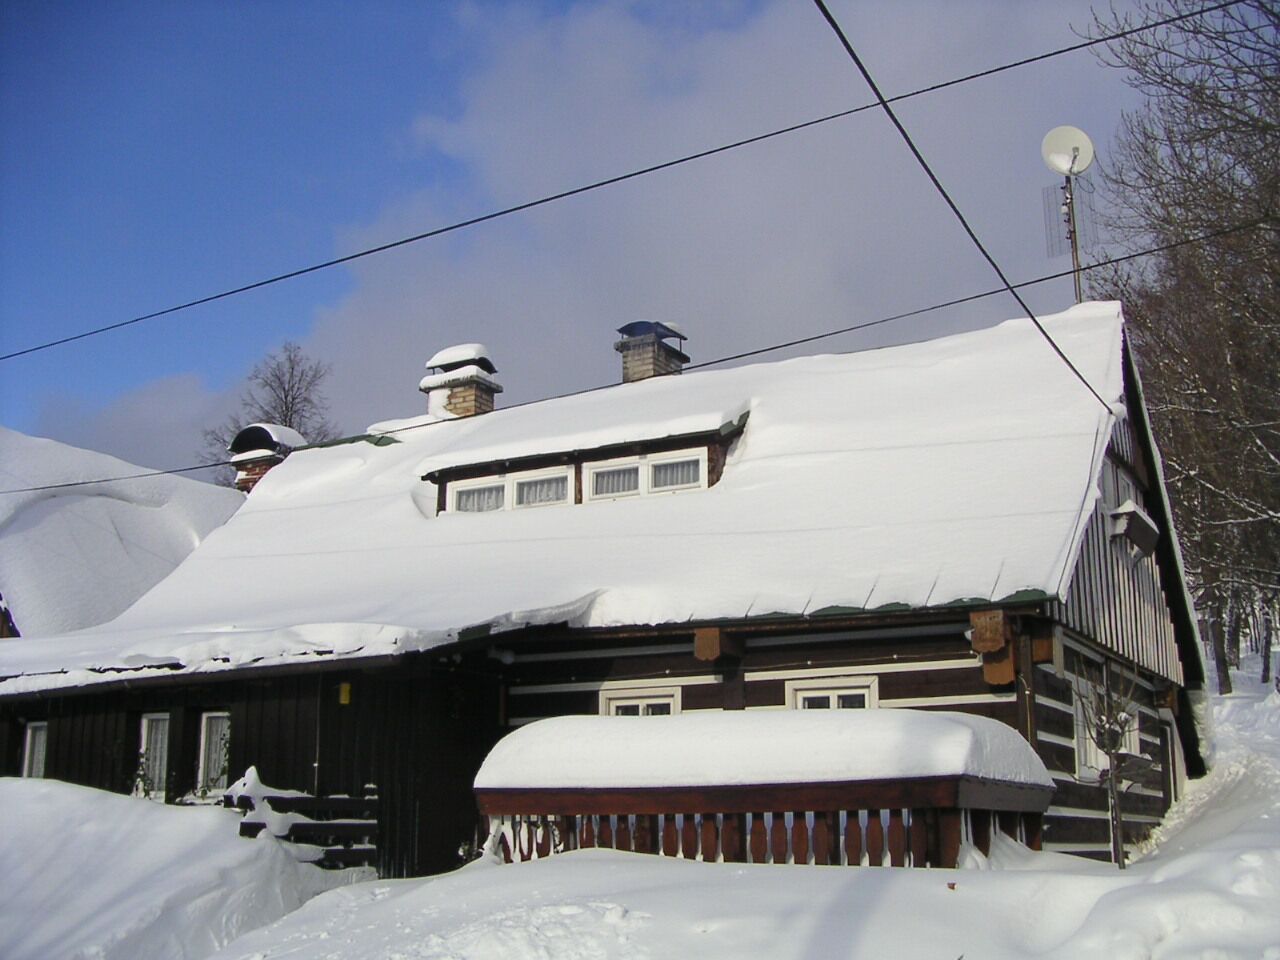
{"x": 804, "y": 233}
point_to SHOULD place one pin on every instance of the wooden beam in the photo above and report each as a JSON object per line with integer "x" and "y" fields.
{"x": 711, "y": 643}
{"x": 999, "y": 667}
{"x": 991, "y": 630}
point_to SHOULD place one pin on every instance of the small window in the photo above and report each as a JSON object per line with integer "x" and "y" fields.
{"x": 541, "y": 491}
{"x": 153, "y": 757}
{"x": 832, "y": 693}
{"x": 676, "y": 474}
{"x": 833, "y": 701}
{"x": 615, "y": 481}
{"x": 36, "y": 746}
{"x": 640, "y": 702}
{"x": 479, "y": 499}
{"x": 215, "y": 743}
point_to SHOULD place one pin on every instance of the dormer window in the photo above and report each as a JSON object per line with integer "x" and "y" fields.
{"x": 541, "y": 491}
{"x": 617, "y": 471}
{"x": 533, "y": 488}
{"x": 479, "y": 499}
{"x": 646, "y": 475}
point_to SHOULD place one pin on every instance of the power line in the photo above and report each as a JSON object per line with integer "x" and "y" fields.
{"x": 827, "y": 334}
{"x": 942, "y": 191}
{"x": 610, "y": 181}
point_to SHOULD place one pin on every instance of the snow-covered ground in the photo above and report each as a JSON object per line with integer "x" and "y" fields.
{"x": 86, "y": 874}
{"x": 1209, "y": 888}
{"x": 94, "y": 875}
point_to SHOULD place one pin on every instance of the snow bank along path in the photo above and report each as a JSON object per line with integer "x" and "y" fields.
{"x": 736, "y": 747}
{"x": 89, "y": 874}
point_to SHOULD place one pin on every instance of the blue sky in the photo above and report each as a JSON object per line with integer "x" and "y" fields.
{"x": 152, "y": 153}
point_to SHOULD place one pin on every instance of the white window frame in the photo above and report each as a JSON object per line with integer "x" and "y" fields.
{"x": 156, "y": 793}
{"x": 612, "y": 697}
{"x": 28, "y": 756}
{"x": 508, "y": 482}
{"x": 645, "y": 464}
{"x": 460, "y": 485}
{"x": 515, "y": 479}
{"x": 202, "y": 774}
{"x": 868, "y": 686}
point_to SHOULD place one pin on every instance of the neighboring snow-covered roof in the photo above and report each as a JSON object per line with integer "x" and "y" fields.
{"x": 72, "y": 557}
{"x": 739, "y": 747}
{"x": 958, "y": 469}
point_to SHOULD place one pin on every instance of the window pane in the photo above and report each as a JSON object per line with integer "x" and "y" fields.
{"x": 546, "y": 490}
{"x": 615, "y": 482}
{"x": 479, "y": 499}
{"x": 819, "y": 702}
{"x": 626, "y": 709}
{"x": 37, "y": 738}
{"x": 213, "y": 759}
{"x": 657, "y": 709}
{"x": 155, "y": 755}
{"x": 680, "y": 473}
{"x": 851, "y": 701}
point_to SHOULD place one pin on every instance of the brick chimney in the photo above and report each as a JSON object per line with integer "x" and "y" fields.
{"x": 464, "y": 386}
{"x": 259, "y": 447}
{"x": 646, "y": 352}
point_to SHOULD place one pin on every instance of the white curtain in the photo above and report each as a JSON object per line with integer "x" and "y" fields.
{"x": 155, "y": 756}
{"x": 545, "y": 490}
{"x": 615, "y": 482}
{"x": 213, "y": 760}
{"x": 479, "y": 499}
{"x": 678, "y": 474}
{"x": 37, "y": 738}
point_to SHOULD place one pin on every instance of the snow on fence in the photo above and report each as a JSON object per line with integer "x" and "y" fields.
{"x": 833, "y": 798}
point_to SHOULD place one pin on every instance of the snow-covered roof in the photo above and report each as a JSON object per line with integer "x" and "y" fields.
{"x": 74, "y": 556}
{"x": 961, "y": 469}
{"x": 738, "y": 747}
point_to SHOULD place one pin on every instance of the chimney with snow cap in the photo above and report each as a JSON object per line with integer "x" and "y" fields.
{"x": 259, "y": 447}
{"x": 645, "y": 351}
{"x": 463, "y": 387}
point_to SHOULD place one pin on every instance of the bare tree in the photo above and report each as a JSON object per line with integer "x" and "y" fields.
{"x": 285, "y": 387}
{"x": 1202, "y": 155}
{"x": 1109, "y": 720}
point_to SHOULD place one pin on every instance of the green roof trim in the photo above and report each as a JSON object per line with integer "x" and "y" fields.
{"x": 377, "y": 439}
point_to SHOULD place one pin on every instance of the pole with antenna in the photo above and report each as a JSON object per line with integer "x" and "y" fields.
{"x": 1069, "y": 151}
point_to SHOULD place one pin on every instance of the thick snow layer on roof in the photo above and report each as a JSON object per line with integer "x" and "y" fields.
{"x": 958, "y": 469}
{"x": 71, "y": 557}
{"x": 460, "y": 353}
{"x": 775, "y": 746}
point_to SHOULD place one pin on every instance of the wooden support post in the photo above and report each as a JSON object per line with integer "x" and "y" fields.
{"x": 980, "y": 821}
{"x": 919, "y": 832}
{"x": 875, "y": 839}
{"x": 897, "y": 839}
{"x": 1032, "y": 825}
{"x": 733, "y": 837}
{"x": 948, "y": 837}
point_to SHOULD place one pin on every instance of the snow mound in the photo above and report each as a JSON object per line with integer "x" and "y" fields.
{"x": 89, "y": 874}
{"x": 736, "y": 748}
{"x": 72, "y": 557}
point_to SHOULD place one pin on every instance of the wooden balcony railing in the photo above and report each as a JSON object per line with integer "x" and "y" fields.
{"x": 908, "y": 822}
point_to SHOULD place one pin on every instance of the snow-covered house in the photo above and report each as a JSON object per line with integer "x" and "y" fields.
{"x": 955, "y": 524}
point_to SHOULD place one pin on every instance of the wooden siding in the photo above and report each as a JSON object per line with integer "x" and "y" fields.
{"x": 1115, "y": 598}
{"x": 1078, "y": 822}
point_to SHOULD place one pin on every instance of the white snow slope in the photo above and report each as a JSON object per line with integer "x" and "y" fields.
{"x": 1210, "y": 889}
{"x": 94, "y": 875}
{"x": 73, "y": 557}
